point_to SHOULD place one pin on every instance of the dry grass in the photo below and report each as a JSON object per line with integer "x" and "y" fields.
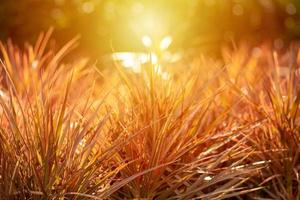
{"x": 215, "y": 130}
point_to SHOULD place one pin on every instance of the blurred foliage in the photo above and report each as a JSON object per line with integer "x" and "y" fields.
{"x": 107, "y": 25}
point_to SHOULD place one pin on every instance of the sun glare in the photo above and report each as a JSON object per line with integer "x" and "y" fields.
{"x": 165, "y": 42}
{"x": 147, "y": 41}
{"x": 169, "y": 99}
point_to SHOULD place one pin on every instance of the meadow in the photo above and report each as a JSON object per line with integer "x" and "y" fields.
{"x": 207, "y": 128}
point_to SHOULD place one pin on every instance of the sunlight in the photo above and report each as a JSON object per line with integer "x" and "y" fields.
{"x": 135, "y": 61}
{"x": 35, "y": 64}
{"x": 175, "y": 99}
{"x": 166, "y": 42}
{"x": 131, "y": 60}
{"x": 147, "y": 41}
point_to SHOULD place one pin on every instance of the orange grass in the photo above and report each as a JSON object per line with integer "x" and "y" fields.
{"x": 213, "y": 130}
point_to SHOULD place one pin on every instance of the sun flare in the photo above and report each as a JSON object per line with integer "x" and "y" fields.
{"x": 150, "y": 100}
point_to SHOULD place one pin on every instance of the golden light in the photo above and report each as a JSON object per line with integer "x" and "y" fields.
{"x": 35, "y": 64}
{"x": 135, "y": 61}
{"x": 88, "y": 7}
{"x": 130, "y": 60}
{"x": 147, "y": 41}
{"x": 152, "y": 28}
{"x": 165, "y": 42}
{"x": 149, "y": 27}
{"x": 153, "y": 58}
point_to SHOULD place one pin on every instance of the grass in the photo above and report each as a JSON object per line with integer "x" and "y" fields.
{"x": 214, "y": 130}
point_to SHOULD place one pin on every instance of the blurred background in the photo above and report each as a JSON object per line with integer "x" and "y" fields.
{"x": 109, "y": 26}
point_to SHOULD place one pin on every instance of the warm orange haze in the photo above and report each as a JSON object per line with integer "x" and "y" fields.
{"x": 111, "y": 99}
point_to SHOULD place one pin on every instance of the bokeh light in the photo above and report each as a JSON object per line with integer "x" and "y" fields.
{"x": 204, "y": 25}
